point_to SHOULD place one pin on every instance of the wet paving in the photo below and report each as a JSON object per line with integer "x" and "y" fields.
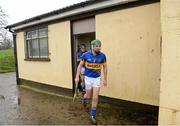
{"x": 23, "y": 106}
{"x": 32, "y": 107}
{"x": 8, "y": 97}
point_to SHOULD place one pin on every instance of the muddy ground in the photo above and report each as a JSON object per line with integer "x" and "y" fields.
{"x": 37, "y": 108}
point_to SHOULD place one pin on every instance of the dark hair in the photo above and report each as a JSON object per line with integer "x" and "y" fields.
{"x": 83, "y": 45}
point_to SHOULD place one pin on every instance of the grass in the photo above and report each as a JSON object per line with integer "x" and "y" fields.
{"x": 7, "y": 62}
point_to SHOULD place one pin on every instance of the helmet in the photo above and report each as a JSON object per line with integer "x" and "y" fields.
{"x": 95, "y": 42}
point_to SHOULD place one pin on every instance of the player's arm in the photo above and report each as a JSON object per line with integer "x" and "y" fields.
{"x": 79, "y": 71}
{"x": 105, "y": 73}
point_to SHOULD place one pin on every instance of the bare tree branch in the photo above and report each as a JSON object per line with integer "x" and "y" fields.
{"x": 5, "y": 41}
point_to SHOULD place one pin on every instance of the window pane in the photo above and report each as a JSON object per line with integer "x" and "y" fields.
{"x": 37, "y": 43}
{"x": 43, "y": 32}
{"x": 34, "y": 34}
{"x": 43, "y": 47}
{"x": 28, "y": 36}
{"x": 29, "y": 45}
{"x": 35, "y": 48}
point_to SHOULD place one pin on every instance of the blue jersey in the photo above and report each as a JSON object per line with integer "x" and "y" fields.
{"x": 79, "y": 54}
{"x": 93, "y": 63}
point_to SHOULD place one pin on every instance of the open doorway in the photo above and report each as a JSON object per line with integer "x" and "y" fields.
{"x": 79, "y": 40}
{"x": 83, "y": 32}
{"x": 83, "y": 39}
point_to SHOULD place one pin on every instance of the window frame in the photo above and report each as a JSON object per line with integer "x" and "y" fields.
{"x": 28, "y": 50}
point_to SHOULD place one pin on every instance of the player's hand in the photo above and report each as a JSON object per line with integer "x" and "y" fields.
{"x": 105, "y": 83}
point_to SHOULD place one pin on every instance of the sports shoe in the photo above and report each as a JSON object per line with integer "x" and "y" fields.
{"x": 93, "y": 120}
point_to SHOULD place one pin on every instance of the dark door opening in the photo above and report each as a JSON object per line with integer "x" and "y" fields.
{"x": 82, "y": 32}
{"x": 78, "y": 40}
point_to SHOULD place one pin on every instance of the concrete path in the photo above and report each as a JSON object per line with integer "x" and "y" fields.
{"x": 38, "y": 108}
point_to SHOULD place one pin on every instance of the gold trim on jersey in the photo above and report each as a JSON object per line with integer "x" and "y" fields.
{"x": 94, "y": 66}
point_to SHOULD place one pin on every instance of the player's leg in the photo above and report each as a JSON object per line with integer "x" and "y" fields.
{"x": 88, "y": 93}
{"x": 95, "y": 96}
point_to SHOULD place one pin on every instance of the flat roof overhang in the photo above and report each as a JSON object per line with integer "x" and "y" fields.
{"x": 73, "y": 10}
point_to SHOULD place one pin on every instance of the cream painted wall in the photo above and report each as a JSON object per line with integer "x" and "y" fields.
{"x": 59, "y": 70}
{"x": 169, "y": 116}
{"x": 131, "y": 40}
{"x": 169, "y": 113}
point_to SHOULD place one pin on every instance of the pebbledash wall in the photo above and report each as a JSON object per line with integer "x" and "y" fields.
{"x": 130, "y": 39}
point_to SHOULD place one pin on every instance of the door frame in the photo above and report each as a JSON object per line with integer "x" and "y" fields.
{"x": 73, "y": 53}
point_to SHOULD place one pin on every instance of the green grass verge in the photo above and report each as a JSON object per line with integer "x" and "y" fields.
{"x": 7, "y": 62}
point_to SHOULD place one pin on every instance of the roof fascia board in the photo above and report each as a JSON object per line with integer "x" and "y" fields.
{"x": 98, "y": 6}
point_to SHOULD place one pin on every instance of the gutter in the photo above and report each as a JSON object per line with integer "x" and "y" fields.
{"x": 15, "y": 56}
{"x": 88, "y": 8}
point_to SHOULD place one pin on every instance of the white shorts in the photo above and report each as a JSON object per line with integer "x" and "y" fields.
{"x": 92, "y": 82}
{"x": 82, "y": 70}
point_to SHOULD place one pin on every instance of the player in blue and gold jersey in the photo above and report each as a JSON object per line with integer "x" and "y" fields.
{"x": 79, "y": 54}
{"x": 93, "y": 61}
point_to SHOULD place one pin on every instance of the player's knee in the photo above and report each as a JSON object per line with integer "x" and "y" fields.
{"x": 88, "y": 96}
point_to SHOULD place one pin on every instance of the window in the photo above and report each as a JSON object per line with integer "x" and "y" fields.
{"x": 37, "y": 44}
